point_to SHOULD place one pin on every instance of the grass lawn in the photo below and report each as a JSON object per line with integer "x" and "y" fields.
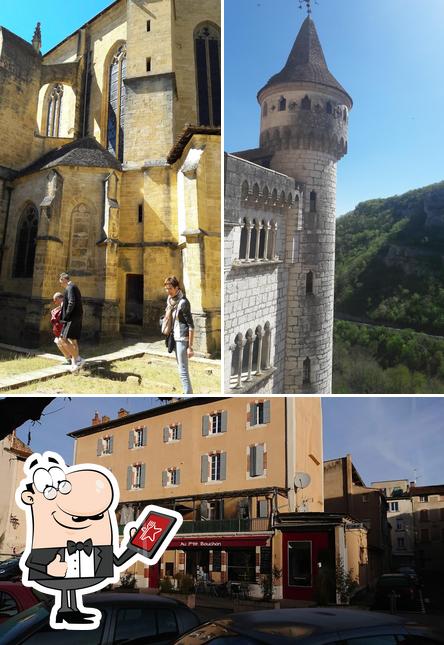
{"x": 154, "y": 375}
{"x": 12, "y": 364}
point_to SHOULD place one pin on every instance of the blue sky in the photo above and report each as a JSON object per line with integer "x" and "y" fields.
{"x": 388, "y": 54}
{"x": 388, "y": 437}
{"x": 58, "y": 19}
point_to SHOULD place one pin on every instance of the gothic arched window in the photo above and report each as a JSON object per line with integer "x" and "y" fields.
{"x": 207, "y": 53}
{"x": 116, "y": 103}
{"x": 54, "y": 111}
{"x": 282, "y": 104}
{"x": 25, "y": 243}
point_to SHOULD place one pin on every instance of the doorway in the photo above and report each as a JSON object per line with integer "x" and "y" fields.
{"x": 134, "y": 299}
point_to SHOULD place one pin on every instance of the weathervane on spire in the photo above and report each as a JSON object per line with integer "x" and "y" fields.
{"x": 307, "y": 4}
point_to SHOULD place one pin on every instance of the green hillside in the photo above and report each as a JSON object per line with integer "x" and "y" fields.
{"x": 390, "y": 261}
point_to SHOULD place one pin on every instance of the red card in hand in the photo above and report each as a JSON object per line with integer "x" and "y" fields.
{"x": 152, "y": 533}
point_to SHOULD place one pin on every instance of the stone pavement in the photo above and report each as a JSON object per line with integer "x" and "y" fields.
{"x": 153, "y": 348}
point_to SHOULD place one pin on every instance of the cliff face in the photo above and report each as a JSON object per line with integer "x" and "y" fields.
{"x": 390, "y": 261}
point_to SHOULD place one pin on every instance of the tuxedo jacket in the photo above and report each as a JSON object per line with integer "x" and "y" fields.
{"x": 104, "y": 561}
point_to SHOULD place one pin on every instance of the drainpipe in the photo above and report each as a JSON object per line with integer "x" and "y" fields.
{"x": 8, "y": 207}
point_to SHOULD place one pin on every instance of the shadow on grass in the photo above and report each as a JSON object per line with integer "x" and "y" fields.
{"x": 104, "y": 369}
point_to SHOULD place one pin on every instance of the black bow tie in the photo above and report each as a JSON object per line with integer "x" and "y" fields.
{"x": 86, "y": 546}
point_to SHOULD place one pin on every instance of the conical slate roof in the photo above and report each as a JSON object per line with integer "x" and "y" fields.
{"x": 306, "y": 62}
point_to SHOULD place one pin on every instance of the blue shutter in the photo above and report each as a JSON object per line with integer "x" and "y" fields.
{"x": 178, "y": 476}
{"x": 204, "y": 468}
{"x": 166, "y": 434}
{"x": 142, "y": 476}
{"x": 205, "y": 425}
{"x": 164, "y": 478}
{"x": 224, "y": 421}
{"x": 263, "y": 508}
{"x": 223, "y": 465}
{"x": 259, "y": 466}
{"x": 99, "y": 447}
{"x": 204, "y": 510}
{"x": 253, "y": 472}
{"x": 111, "y": 444}
{"x": 252, "y": 414}
{"x": 179, "y": 431}
{"x": 131, "y": 439}
{"x": 267, "y": 411}
{"x": 144, "y": 435}
{"x": 129, "y": 478}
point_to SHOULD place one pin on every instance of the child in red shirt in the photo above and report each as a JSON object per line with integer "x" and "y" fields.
{"x": 57, "y": 326}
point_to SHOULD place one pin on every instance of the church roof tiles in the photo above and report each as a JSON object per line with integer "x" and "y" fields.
{"x": 81, "y": 152}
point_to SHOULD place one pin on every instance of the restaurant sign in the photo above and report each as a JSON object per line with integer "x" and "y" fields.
{"x": 219, "y": 542}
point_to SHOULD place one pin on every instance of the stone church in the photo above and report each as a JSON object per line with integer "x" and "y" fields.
{"x": 280, "y": 230}
{"x": 110, "y": 170}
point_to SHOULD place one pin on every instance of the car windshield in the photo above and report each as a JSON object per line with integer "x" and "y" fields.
{"x": 9, "y": 563}
{"x": 16, "y": 625}
{"x": 391, "y": 581}
{"x": 204, "y": 634}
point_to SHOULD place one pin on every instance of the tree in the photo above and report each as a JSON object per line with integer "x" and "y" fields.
{"x": 14, "y": 412}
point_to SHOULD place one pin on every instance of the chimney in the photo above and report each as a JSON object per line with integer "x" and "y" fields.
{"x": 96, "y": 419}
{"x": 122, "y": 413}
{"x": 37, "y": 39}
{"x": 105, "y": 419}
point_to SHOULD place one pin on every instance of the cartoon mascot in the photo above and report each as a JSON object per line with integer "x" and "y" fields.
{"x": 72, "y": 538}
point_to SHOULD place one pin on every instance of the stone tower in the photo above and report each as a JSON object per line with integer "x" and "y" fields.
{"x": 304, "y": 119}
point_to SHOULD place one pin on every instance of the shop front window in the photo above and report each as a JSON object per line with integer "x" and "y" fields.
{"x": 299, "y": 564}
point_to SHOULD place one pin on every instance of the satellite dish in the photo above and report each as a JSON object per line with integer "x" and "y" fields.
{"x": 301, "y": 480}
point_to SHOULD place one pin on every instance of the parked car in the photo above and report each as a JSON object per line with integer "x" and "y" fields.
{"x": 408, "y": 571}
{"x": 10, "y": 570}
{"x": 14, "y": 598}
{"x": 397, "y": 588}
{"x": 314, "y": 626}
{"x": 126, "y": 618}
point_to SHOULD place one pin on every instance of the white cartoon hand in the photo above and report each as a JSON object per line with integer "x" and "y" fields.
{"x": 57, "y": 568}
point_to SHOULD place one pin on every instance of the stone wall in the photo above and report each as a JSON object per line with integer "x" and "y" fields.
{"x": 256, "y": 292}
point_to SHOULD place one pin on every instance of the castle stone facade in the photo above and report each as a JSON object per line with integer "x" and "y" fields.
{"x": 304, "y": 121}
{"x": 110, "y": 170}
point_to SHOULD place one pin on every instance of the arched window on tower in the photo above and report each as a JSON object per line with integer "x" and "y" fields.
{"x": 329, "y": 108}
{"x": 313, "y": 201}
{"x": 117, "y": 103}
{"x": 207, "y": 53}
{"x": 309, "y": 283}
{"x": 262, "y": 235}
{"x": 243, "y": 240}
{"x": 25, "y": 243}
{"x": 306, "y": 103}
{"x": 54, "y": 111}
{"x": 306, "y": 372}
{"x": 282, "y": 104}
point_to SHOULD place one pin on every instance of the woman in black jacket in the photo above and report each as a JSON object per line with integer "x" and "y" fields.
{"x": 179, "y": 321}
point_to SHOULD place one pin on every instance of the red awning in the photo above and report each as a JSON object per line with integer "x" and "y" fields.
{"x": 219, "y": 541}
